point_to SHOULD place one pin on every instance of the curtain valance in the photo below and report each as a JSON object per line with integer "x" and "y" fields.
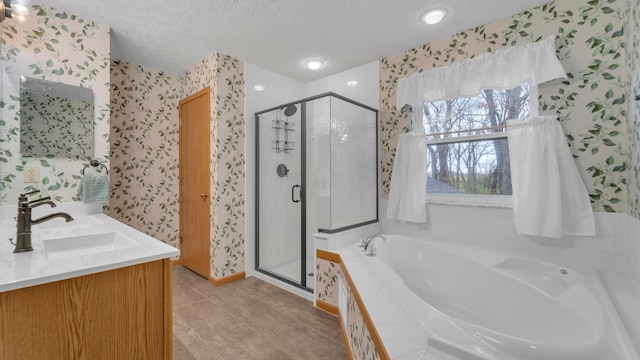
{"x": 532, "y": 63}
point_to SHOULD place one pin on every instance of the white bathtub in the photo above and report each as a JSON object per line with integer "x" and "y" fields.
{"x": 474, "y": 304}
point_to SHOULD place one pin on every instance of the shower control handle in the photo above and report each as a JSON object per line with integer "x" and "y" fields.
{"x": 293, "y": 191}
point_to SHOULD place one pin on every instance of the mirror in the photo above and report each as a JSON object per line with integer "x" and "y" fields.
{"x": 56, "y": 119}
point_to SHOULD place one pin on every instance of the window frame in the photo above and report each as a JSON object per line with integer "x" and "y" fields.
{"x": 479, "y": 200}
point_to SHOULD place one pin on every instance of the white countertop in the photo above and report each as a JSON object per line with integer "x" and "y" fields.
{"x": 35, "y": 267}
{"x": 401, "y": 336}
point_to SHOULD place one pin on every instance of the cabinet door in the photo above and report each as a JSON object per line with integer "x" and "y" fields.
{"x": 118, "y": 314}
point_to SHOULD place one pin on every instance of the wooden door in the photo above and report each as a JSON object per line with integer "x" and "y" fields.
{"x": 195, "y": 118}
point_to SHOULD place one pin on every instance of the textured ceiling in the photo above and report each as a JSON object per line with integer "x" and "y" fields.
{"x": 172, "y": 35}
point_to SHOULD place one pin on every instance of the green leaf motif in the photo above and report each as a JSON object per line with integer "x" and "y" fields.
{"x": 610, "y": 160}
{"x": 609, "y": 94}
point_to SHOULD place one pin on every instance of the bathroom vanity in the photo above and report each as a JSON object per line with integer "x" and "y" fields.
{"x": 92, "y": 288}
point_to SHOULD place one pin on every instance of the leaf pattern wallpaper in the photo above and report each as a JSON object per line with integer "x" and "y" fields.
{"x": 633, "y": 61}
{"x": 54, "y": 125}
{"x": 62, "y": 47}
{"x": 327, "y": 274}
{"x": 145, "y": 176}
{"x": 144, "y": 151}
{"x": 597, "y": 43}
{"x": 225, "y": 75}
{"x": 362, "y": 345}
{"x": 59, "y": 47}
{"x": 592, "y": 103}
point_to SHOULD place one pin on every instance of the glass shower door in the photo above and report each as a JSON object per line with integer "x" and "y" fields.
{"x": 316, "y": 171}
{"x": 279, "y": 180}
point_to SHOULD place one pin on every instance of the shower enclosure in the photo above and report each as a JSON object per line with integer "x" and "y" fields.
{"x": 316, "y": 171}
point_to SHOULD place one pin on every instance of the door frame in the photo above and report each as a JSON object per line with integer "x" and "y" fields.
{"x": 203, "y": 92}
{"x": 303, "y": 246}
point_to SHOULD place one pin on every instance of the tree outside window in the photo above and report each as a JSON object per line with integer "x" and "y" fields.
{"x": 468, "y": 151}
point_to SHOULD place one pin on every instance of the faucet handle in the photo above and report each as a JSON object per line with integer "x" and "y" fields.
{"x": 372, "y": 251}
{"x": 362, "y": 242}
{"x": 30, "y": 193}
{"x": 24, "y": 197}
{"x": 39, "y": 200}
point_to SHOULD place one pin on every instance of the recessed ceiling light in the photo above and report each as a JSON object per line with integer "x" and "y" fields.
{"x": 20, "y": 7}
{"x": 313, "y": 64}
{"x": 433, "y": 16}
{"x": 352, "y": 83}
{"x": 258, "y": 87}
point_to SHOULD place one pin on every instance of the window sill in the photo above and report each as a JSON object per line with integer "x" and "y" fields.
{"x": 471, "y": 200}
{"x": 469, "y": 204}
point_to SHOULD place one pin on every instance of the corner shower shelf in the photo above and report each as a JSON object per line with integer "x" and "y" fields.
{"x": 281, "y": 124}
{"x": 283, "y": 145}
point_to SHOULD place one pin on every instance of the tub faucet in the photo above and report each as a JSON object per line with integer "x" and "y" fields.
{"x": 23, "y": 239}
{"x": 369, "y": 245}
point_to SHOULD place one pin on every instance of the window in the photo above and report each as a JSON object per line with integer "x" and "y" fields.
{"x": 468, "y": 151}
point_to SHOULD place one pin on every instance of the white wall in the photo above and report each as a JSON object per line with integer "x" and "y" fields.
{"x": 614, "y": 247}
{"x": 278, "y": 90}
{"x": 366, "y": 92}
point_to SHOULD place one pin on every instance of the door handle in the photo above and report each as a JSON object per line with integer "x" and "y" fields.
{"x": 203, "y": 196}
{"x": 293, "y": 190}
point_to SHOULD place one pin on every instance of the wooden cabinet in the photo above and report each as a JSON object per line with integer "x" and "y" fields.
{"x": 117, "y": 314}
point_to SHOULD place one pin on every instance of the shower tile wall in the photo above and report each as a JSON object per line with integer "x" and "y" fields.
{"x": 614, "y": 247}
{"x": 353, "y": 164}
{"x": 61, "y": 47}
{"x": 280, "y": 222}
{"x": 341, "y": 163}
{"x": 319, "y": 167}
{"x": 279, "y": 90}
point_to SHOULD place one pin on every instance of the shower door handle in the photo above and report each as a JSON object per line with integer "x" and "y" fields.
{"x": 293, "y": 191}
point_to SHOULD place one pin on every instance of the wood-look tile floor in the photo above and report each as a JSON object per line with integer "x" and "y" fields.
{"x": 248, "y": 319}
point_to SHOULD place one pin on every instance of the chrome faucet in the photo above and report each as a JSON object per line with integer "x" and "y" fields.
{"x": 369, "y": 245}
{"x": 23, "y": 239}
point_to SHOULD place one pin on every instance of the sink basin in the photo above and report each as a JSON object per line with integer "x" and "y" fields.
{"x": 87, "y": 244}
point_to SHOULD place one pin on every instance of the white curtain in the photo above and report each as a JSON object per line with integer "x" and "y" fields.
{"x": 549, "y": 197}
{"x": 407, "y": 197}
{"x": 533, "y": 63}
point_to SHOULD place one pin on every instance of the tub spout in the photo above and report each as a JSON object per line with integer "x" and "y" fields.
{"x": 369, "y": 244}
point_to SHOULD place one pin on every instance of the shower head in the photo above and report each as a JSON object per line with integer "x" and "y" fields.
{"x": 290, "y": 110}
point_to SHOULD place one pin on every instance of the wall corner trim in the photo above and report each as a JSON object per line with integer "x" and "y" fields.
{"x": 325, "y": 306}
{"x": 176, "y": 262}
{"x": 227, "y": 279}
{"x": 345, "y": 337}
{"x": 375, "y": 337}
{"x": 329, "y": 256}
